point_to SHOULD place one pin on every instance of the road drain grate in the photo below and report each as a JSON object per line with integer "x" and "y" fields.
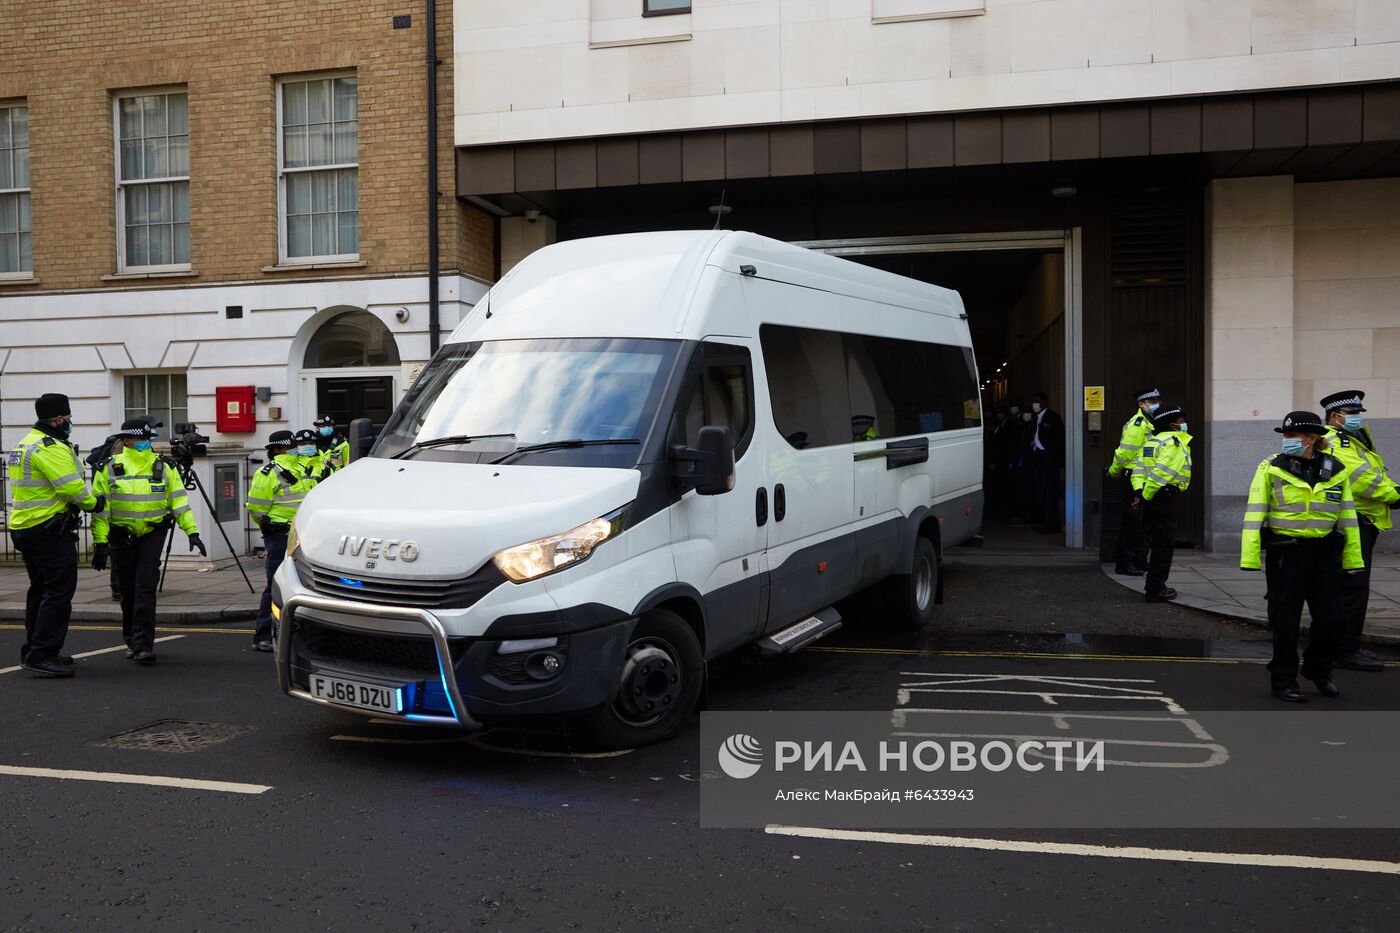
{"x": 175, "y": 735}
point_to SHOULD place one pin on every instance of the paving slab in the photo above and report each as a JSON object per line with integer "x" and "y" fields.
{"x": 1215, "y": 584}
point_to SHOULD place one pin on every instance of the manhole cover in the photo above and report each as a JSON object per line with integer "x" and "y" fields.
{"x": 175, "y": 735}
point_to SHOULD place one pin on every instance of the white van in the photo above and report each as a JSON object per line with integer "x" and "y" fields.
{"x": 638, "y": 453}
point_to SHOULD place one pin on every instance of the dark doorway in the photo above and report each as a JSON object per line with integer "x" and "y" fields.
{"x": 345, "y": 398}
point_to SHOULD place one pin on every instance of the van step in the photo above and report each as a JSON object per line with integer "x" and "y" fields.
{"x": 801, "y": 633}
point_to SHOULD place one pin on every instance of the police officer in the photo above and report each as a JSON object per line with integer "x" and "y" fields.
{"x": 273, "y": 498}
{"x": 332, "y": 445}
{"x": 145, "y": 496}
{"x": 1376, "y": 494}
{"x": 1161, "y": 473}
{"x": 97, "y": 459}
{"x": 47, "y": 490}
{"x": 1132, "y": 546}
{"x": 315, "y": 463}
{"x": 1302, "y": 514}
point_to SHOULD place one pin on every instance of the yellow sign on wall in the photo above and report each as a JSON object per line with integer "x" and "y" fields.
{"x": 1093, "y": 398}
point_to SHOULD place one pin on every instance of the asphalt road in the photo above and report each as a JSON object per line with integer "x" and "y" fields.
{"x": 380, "y": 826}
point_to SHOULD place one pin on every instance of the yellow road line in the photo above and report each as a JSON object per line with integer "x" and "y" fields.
{"x": 159, "y": 628}
{"x": 1035, "y": 655}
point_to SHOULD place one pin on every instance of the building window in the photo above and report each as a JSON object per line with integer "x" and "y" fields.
{"x": 153, "y": 182}
{"x": 16, "y": 260}
{"x": 162, "y": 395}
{"x": 318, "y": 171}
{"x": 664, "y": 7}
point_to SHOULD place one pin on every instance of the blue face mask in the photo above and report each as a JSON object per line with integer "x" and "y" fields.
{"x": 67, "y": 428}
{"x": 1293, "y": 446}
{"x": 1353, "y": 422}
{"x": 307, "y": 450}
{"x": 142, "y": 446}
{"x": 327, "y": 431}
{"x": 1183, "y": 427}
{"x": 1152, "y": 407}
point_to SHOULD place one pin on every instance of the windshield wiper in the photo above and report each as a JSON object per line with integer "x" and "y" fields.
{"x": 561, "y": 445}
{"x": 444, "y": 441}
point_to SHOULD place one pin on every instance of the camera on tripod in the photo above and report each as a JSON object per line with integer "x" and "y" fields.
{"x": 186, "y": 443}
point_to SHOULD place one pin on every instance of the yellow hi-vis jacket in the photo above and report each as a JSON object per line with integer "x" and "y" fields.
{"x": 45, "y": 480}
{"x": 1165, "y": 461}
{"x": 1284, "y": 502}
{"x": 1372, "y": 486}
{"x": 1135, "y": 432}
{"x": 141, "y": 490}
{"x": 278, "y": 488}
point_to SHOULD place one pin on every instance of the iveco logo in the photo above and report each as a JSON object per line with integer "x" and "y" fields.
{"x": 378, "y": 549}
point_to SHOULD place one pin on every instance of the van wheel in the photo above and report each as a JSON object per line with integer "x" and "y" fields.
{"x": 662, "y": 675}
{"x": 909, "y": 597}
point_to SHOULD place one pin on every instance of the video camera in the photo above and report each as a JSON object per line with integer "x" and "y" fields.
{"x": 186, "y": 442}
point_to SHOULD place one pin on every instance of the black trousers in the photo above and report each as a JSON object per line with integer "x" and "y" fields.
{"x": 50, "y": 555}
{"x": 137, "y": 561}
{"x": 1159, "y": 521}
{"x": 1132, "y": 543}
{"x": 1045, "y": 470}
{"x": 276, "y": 545}
{"x": 1356, "y": 595}
{"x": 1299, "y": 571}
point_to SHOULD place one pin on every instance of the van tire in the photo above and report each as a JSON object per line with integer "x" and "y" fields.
{"x": 909, "y": 597}
{"x": 663, "y": 674}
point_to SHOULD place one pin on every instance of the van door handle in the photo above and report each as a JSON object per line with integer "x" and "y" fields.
{"x": 779, "y": 503}
{"x": 760, "y": 506}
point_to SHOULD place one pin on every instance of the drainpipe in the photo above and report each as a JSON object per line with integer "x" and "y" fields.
{"x": 432, "y": 62}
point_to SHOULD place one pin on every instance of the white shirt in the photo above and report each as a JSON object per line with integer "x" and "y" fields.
{"x": 1035, "y": 442}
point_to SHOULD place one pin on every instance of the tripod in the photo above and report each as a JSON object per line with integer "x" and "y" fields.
{"x": 187, "y": 476}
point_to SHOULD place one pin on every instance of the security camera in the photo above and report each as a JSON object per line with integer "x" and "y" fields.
{"x": 532, "y": 216}
{"x": 401, "y": 315}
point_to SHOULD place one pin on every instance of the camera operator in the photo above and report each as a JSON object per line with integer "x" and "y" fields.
{"x": 333, "y": 445}
{"x": 145, "y": 496}
{"x": 276, "y": 492}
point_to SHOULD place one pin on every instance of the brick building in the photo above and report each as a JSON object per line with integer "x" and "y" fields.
{"x": 1201, "y": 194}
{"x": 207, "y": 195}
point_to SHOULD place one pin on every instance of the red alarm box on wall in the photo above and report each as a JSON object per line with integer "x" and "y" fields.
{"x": 235, "y": 411}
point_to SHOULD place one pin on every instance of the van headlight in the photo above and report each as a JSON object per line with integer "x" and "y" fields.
{"x": 538, "y": 558}
{"x": 293, "y": 542}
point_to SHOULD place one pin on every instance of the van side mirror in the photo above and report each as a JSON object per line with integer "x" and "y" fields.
{"x": 361, "y": 438}
{"x": 708, "y": 467}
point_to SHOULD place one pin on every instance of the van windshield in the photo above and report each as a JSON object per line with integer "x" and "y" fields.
{"x": 480, "y": 401}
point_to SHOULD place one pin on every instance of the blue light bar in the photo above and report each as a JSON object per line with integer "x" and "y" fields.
{"x": 358, "y": 584}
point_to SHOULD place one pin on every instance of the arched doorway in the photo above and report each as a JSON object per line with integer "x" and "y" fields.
{"x": 350, "y": 367}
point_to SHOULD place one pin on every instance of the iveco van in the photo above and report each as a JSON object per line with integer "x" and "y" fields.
{"x": 636, "y": 454}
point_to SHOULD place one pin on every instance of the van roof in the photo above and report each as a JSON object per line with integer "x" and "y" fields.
{"x": 642, "y": 284}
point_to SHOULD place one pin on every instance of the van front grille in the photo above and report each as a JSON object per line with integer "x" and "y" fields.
{"x": 398, "y": 591}
{"x": 382, "y": 655}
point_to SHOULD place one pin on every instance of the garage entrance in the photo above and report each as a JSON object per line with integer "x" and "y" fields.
{"x": 1022, "y": 296}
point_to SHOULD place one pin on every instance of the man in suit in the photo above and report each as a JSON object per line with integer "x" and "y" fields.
{"x": 1047, "y": 454}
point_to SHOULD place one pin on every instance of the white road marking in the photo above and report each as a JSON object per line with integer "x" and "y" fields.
{"x": 154, "y": 780}
{"x": 1260, "y": 860}
{"x": 89, "y": 654}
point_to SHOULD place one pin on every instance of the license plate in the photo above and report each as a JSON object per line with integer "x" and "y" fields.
{"x": 349, "y": 693}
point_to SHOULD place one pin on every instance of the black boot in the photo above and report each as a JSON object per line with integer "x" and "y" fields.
{"x": 1289, "y": 693}
{"x": 1167, "y": 594}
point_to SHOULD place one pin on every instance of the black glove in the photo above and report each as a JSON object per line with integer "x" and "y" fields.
{"x": 195, "y": 542}
{"x": 99, "y": 506}
{"x": 100, "y": 553}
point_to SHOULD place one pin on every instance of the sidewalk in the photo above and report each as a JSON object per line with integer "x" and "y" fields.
{"x": 1215, "y": 583}
{"x": 191, "y": 597}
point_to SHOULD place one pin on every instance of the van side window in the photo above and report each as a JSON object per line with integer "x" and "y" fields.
{"x": 807, "y": 383}
{"x": 904, "y": 387}
{"x": 721, "y": 393}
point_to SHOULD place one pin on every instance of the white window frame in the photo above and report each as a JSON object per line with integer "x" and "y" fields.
{"x": 21, "y": 275}
{"x": 283, "y": 259}
{"x": 146, "y": 374}
{"x": 120, "y": 194}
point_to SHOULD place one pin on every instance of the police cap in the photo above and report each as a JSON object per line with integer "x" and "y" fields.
{"x": 1301, "y": 422}
{"x": 1347, "y": 398}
